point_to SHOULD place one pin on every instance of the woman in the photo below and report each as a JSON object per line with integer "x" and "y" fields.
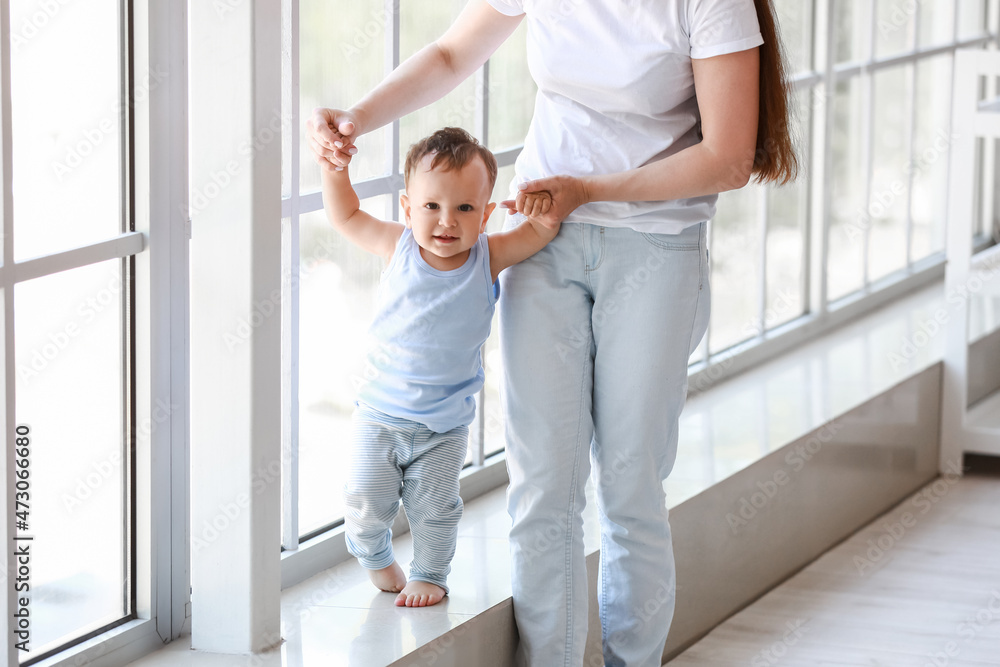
{"x": 596, "y": 329}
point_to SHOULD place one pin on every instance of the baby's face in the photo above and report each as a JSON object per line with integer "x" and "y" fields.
{"x": 447, "y": 210}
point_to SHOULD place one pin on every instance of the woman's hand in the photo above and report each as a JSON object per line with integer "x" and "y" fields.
{"x": 565, "y": 192}
{"x": 327, "y": 164}
{"x": 331, "y": 136}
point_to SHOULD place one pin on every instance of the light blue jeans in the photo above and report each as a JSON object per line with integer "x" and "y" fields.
{"x": 596, "y": 331}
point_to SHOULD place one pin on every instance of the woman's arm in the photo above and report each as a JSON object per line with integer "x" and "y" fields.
{"x": 727, "y": 90}
{"x": 425, "y": 77}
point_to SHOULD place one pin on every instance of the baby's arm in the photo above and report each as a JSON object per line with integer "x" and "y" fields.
{"x": 343, "y": 210}
{"x": 518, "y": 244}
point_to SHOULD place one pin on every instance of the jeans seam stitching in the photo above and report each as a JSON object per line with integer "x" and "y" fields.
{"x": 568, "y": 560}
{"x": 702, "y": 249}
{"x": 670, "y": 246}
{"x": 604, "y": 596}
{"x": 600, "y": 255}
{"x": 694, "y": 317}
{"x": 586, "y": 265}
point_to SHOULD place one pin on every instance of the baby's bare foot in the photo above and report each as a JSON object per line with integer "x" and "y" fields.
{"x": 419, "y": 594}
{"x": 390, "y": 579}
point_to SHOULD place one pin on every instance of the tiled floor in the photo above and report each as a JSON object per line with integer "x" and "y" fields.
{"x": 337, "y": 618}
{"x": 919, "y": 586}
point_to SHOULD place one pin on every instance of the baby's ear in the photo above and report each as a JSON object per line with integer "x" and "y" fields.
{"x": 486, "y": 216}
{"x": 404, "y": 208}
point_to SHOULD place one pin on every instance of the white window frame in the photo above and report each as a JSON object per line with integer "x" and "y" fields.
{"x": 157, "y": 141}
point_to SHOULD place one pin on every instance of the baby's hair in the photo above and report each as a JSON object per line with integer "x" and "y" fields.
{"x": 452, "y": 146}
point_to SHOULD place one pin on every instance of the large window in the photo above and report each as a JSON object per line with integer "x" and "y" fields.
{"x": 67, "y": 233}
{"x": 865, "y": 219}
{"x": 872, "y": 83}
{"x": 95, "y": 401}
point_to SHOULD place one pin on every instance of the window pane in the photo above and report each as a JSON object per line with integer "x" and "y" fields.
{"x": 890, "y": 178}
{"x": 848, "y": 218}
{"x": 492, "y": 363}
{"x": 341, "y": 57}
{"x": 68, "y": 347}
{"x": 337, "y": 287}
{"x": 931, "y": 145}
{"x": 501, "y": 191}
{"x": 894, "y": 27}
{"x": 982, "y": 157}
{"x": 852, "y": 18}
{"x": 937, "y": 21}
{"x": 735, "y": 268}
{"x": 971, "y": 18}
{"x": 785, "y": 254}
{"x": 512, "y": 92}
{"x": 422, "y": 23}
{"x": 66, "y": 111}
{"x": 786, "y": 230}
{"x": 793, "y": 18}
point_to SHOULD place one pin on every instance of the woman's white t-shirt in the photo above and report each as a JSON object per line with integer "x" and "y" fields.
{"x": 616, "y": 91}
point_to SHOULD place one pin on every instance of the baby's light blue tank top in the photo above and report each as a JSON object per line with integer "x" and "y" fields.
{"x": 424, "y": 361}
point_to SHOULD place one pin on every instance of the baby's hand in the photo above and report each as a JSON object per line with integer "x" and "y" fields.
{"x": 530, "y": 204}
{"x": 534, "y": 204}
{"x": 563, "y": 194}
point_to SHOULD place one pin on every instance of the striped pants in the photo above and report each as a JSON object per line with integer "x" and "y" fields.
{"x": 395, "y": 458}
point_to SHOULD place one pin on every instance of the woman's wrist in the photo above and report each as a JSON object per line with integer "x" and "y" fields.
{"x": 632, "y": 185}
{"x": 360, "y": 119}
{"x": 593, "y": 188}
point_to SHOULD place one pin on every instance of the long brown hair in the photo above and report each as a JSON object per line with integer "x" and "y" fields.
{"x": 774, "y": 160}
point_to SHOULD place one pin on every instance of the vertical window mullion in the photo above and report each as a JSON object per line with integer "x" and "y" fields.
{"x": 9, "y": 422}
{"x": 707, "y": 338}
{"x": 988, "y": 197}
{"x": 993, "y": 27}
{"x": 127, "y": 130}
{"x": 820, "y": 248}
{"x": 290, "y": 297}
{"x": 763, "y": 221}
{"x": 951, "y": 119}
{"x": 805, "y": 201}
{"x": 996, "y": 17}
{"x": 867, "y": 85}
{"x": 956, "y": 16}
{"x": 128, "y": 379}
{"x": 911, "y": 135}
{"x": 392, "y": 36}
{"x": 806, "y": 159}
{"x": 483, "y": 103}
{"x": 477, "y": 441}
